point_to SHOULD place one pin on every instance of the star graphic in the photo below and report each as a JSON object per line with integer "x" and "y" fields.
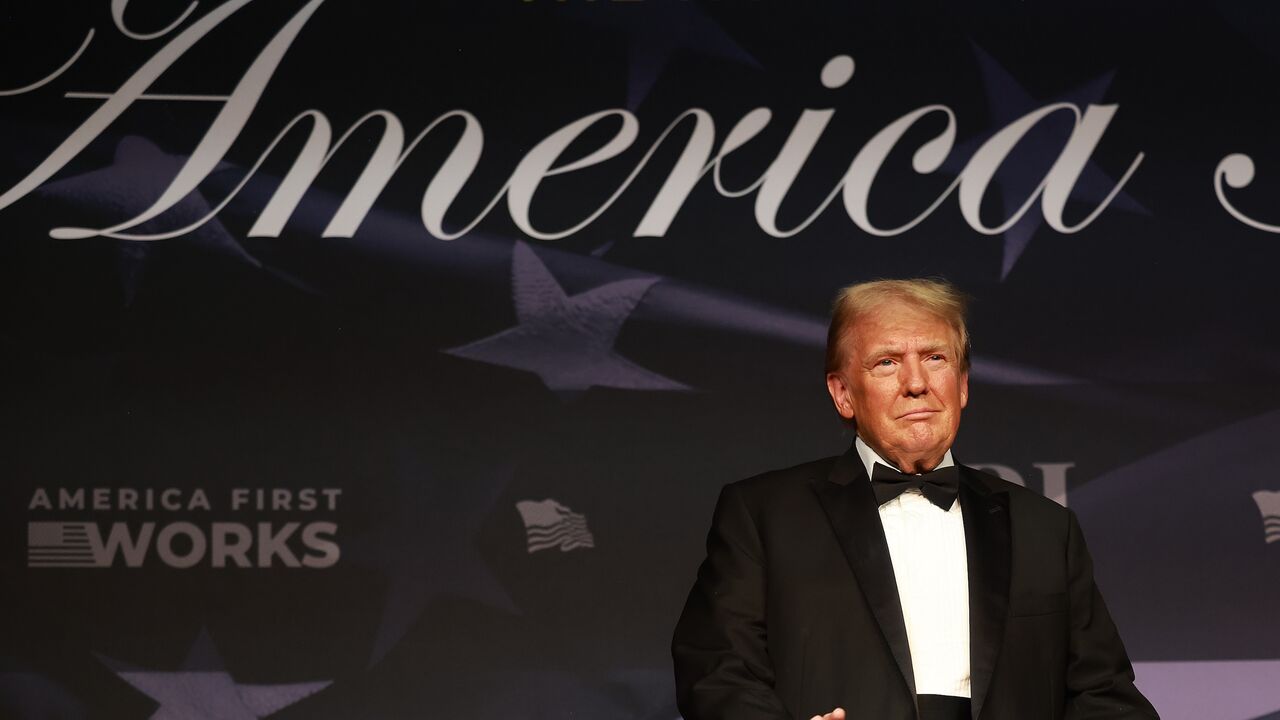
{"x": 567, "y": 340}
{"x": 199, "y": 692}
{"x": 656, "y": 32}
{"x": 424, "y": 541}
{"x": 1006, "y": 102}
{"x": 139, "y": 173}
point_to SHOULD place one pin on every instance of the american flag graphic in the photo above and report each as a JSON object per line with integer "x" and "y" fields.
{"x": 549, "y": 524}
{"x": 1269, "y": 505}
{"x": 60, "y": 544}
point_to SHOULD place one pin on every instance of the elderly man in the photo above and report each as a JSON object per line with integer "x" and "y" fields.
{"x": 891, "y": 583}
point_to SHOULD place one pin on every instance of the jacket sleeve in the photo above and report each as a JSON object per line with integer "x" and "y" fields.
{"x": 1099, "y": 682}
{"x": 720, "y": 647}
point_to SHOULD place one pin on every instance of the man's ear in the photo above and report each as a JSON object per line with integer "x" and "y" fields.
{"x": 964, "y": 388}
{"x": 840, "y": 395}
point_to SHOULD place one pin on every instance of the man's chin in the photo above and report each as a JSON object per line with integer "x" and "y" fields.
{"x": 924, "y": 449}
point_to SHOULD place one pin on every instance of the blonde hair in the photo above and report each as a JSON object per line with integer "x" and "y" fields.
{"x": 932, "y": 295}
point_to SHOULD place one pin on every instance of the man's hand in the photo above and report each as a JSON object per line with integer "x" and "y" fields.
{"x": 837, "y": 714}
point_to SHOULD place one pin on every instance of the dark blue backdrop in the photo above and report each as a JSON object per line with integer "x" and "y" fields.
{"x": 511, "y": 444}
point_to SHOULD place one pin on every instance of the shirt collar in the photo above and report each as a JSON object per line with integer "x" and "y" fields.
{"x": 871, "y": 457}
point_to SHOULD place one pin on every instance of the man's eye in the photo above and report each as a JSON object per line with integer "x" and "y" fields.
{"x": 885, "y": 362}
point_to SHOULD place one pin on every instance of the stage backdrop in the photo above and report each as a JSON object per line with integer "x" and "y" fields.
{"x": 384, "y": 360}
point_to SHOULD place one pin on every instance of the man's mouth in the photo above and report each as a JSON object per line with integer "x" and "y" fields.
{"x": 921, "y": 414}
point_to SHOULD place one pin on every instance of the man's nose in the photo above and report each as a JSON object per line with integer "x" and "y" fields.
{"x": 914, "y": 381}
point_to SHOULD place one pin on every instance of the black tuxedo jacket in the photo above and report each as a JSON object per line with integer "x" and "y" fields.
{"x": 795, "y": 610}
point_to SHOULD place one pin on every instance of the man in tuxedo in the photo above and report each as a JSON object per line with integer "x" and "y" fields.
{"x": 891, "y": 583}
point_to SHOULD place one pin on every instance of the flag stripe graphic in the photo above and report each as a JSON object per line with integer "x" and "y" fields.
{"x": 58, "y": 554}
{"x": 572, "y": 518}
{"x": 560, "y": 534}
{"x": 541, "y": 533}
{"x": 549, "y": 524}
{"x": 57, "y": 544}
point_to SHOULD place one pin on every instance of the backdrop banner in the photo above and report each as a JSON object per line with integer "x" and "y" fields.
{"x": 385, "y": 360}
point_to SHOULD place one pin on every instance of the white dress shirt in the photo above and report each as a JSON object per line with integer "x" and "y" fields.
{"x": 926, "y": 545}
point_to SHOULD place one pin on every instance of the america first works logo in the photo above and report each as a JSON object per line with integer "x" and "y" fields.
{"x": 173, "y": 527}
{"x": 1269, "y": 505}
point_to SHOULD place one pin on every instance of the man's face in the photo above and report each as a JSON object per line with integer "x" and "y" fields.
{"x": 902, "y": 384}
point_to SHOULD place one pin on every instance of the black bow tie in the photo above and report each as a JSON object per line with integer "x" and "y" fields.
{"x": 940, "y": 486}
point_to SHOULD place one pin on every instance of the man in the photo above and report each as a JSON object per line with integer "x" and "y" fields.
{"x": 891, "y": 583}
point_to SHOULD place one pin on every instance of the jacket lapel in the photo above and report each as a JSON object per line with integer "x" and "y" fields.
{"x": 851, "y": 506}
{"x": 989, "y": 552}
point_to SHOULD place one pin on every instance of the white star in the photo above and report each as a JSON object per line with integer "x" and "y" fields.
{"x": 567, "y": 340}
{"x": 140, "y": 171}
{"x": 208, "y": 694}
